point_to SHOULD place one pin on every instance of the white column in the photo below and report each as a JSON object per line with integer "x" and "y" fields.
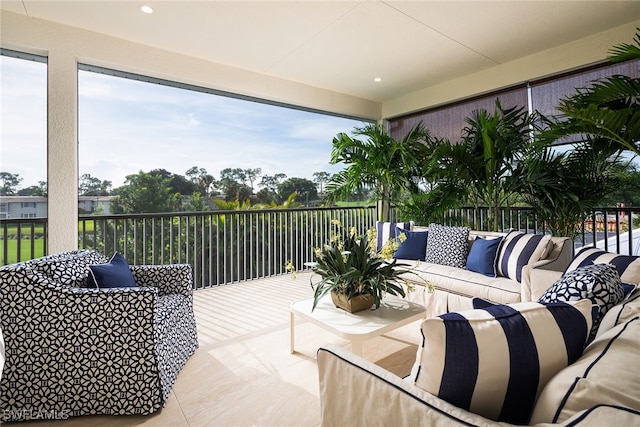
{"x": 62, "y": 151}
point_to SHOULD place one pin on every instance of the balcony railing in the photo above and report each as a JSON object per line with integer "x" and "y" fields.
{"x": 231, "y": 246}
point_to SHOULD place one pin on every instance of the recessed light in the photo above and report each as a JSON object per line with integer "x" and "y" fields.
{"x": 146, "y": 9}
{"x": 377, "y": 79}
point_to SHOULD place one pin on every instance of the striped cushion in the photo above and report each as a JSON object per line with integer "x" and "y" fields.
{"x": 628, "y": 266}
{"x": 520, "y": 249}
{"x": 606, "y": 374}
{"x": 387, "y": 230}
{"x": 494, "y": 361}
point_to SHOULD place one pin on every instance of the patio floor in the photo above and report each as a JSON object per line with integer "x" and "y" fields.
{"x": 243, "y": 373}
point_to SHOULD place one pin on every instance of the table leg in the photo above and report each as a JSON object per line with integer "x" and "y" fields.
{"x": 292, "y": 325}
{"x": 356, "y": 347}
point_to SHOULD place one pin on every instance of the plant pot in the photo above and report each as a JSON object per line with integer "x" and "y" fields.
{"x": 355, "y": 304}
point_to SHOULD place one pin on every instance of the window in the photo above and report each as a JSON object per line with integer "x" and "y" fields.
{"x": 23, "y": 152}
{"x": 27, "y": 215}
{"x": 130, "y": 123}
{"x": 27, "y": 205}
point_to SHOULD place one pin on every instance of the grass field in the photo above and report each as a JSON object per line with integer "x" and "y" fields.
{"x": 11, "y": 242}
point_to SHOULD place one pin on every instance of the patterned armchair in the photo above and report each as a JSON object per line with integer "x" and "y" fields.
{"x": 72, "y": 350}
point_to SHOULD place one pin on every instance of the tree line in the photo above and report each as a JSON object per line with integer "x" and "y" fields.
{"x": 159, "y": 190}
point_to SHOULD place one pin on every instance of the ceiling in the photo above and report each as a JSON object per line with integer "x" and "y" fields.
{"x": 343, "y": 45}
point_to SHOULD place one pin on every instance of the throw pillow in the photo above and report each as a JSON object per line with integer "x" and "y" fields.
{"x": 520, "y": 249}
{"x": 483, "y": 256}
{"x": 494, "y": 361}
{"x": 115, "y": 274}
{"x": 413, "y": 247}
{"x": 387, "y": 230}
{"x": 447, "y": 245}
{"x": 69, "y": 268}
{"x": 598, "y": 283}
{"x": 628, "y": 266}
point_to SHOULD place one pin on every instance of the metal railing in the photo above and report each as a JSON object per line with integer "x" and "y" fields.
{"x": 232, "y": 246}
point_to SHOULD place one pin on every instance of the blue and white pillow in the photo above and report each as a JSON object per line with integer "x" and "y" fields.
{"x": 414, "y": 245}
{"x": 387, "y": 230}
{"x": 520, "y": 249}
{"x": 483, "y": 256}
{"x": 628, "y": 266}
{"x": 598, "y": 283}
{"x": 447, "y": 245}
{"x": 494, "y": 361}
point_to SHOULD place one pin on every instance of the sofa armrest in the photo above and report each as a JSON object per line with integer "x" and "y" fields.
{"x": 536, "y": 280}
{"x": 168, "y": 278}
{"x": 356, "y": 392}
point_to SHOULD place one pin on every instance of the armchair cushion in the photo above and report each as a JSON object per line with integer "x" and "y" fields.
{"x": 494, "y": 361}
{"x": 69, "y": 268}
{"x": 114, "y": 274}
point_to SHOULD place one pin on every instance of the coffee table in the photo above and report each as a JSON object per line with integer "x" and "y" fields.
{"x": 358, "y": 327}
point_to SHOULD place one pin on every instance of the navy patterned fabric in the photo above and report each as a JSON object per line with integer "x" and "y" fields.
{"x": 447, "y": 245}
{"x": 598, "y": 283}
{"x": 77, "y": 351}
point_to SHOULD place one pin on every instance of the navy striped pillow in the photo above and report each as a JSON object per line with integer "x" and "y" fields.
{"x": 628, "y": 266}
{"x": 495, "y": 361}
{"x": 387, "y": 230}
{"x": 520, "y": 249}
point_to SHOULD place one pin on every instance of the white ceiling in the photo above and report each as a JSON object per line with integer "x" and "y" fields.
{"x": 343, "y": 45}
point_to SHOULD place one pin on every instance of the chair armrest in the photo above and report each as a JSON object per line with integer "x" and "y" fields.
{"x": 356, "y": 392}
{"x": 168, "y": 278}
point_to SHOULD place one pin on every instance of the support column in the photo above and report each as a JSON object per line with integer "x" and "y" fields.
{"x": 62, "y": 151}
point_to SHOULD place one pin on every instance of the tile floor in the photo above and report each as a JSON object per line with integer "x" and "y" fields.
{"x": 243, "y": 373}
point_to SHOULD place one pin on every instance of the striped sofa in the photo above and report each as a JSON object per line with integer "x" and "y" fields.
{"x": 599, "y": 386}
{"x": 455, "y": 287}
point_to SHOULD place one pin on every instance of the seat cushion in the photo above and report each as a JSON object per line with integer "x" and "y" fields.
{"x": 494, "y": 361}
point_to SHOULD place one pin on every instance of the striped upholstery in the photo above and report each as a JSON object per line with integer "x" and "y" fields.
{"x": 494, "y": 361}
{"x": 628, "y": 266}
{"x": 387, "y": 230}
{"x": 520, "y": 249}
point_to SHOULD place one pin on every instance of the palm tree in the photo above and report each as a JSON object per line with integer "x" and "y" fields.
{"x": 606, "y": 113}
{"x": 563, "y": 187}
{"x": 483, "y": 166}
{"x": 379, "y": 162}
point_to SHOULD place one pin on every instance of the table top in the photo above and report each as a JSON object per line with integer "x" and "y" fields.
{"x": 393, "y": 313}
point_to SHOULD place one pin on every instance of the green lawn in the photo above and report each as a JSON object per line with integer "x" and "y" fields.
{"x": 25, "y": 249}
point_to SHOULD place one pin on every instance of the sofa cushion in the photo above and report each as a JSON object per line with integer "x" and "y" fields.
{"x": 483, "y": 256}
{"x": 520, "y": 249}
{"x": 495, "y": 361}
{"x": 68, "y": 268}
{"x": 387, "y": 230}
{"x": 447, "y": 245}
{"x": 628, "y": 266}
{"x": 598, "y": 283}
{"x": 621, "y": 313}
{"x": 606, "y": 374}
{"x": 114, "y": 274}
{"x": 413, "y": 246}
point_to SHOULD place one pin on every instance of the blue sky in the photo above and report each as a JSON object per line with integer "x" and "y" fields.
{"x": 126, "y": 126}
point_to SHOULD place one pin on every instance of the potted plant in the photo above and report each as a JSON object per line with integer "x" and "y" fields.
{"x": 355, "y": 275}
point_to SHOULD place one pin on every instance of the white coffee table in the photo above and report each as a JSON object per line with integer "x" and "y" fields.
{"x": 358, "y": 327}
